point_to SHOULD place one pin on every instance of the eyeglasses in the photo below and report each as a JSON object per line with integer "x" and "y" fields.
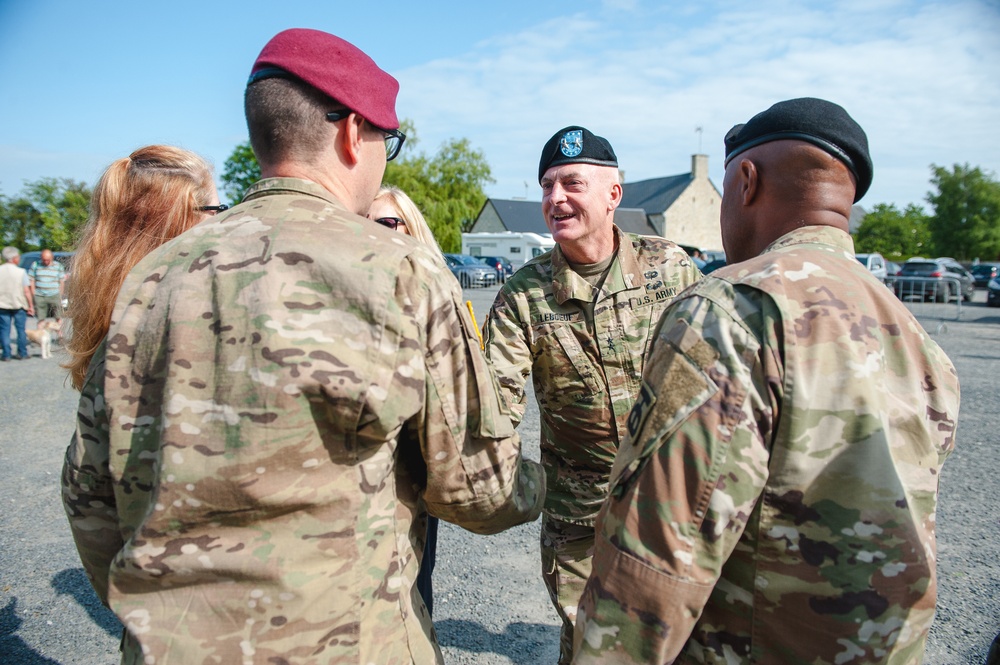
{"x": 213, "y": 209}
{"x": 393, "y": 137}
{"x": 390, "y": 222}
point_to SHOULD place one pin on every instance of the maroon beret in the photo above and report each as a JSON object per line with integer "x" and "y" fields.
{"x": 334, "y": 67}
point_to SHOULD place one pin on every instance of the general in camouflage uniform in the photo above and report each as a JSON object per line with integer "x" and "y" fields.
{"x": 287, "y": 390}
{"x": 775, "y": 499}
{"x": 581, "y": 330}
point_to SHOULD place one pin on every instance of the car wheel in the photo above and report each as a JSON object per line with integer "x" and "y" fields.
{"x": 464, "y": 281}
{"x": 967, "y": 296}
{"x": 942, "y": 294}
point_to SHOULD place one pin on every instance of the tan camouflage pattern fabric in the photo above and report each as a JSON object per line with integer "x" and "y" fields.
{"x": 775, "y": 499}
{"x": 584, "y": 349}
{"x": 567, "y": 551}
{"x": 288, "y": 389}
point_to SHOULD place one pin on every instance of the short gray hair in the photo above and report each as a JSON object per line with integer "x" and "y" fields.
{"x": 10, "y": 253}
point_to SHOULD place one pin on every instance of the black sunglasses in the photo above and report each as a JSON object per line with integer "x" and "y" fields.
{"x": 393, "y": 137}
{"x": 218, "y": 208}
{"x": 390, "y": 222}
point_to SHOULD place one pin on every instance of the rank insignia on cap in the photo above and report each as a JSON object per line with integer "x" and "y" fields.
{"x": 575, "y": 145}
{"x": 571, "y": 144}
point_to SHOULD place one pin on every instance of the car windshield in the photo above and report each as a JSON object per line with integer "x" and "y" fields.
{"x": 29, "y": 259}
{"x": 920, "y": 268}
{"x": 862, "y": 259}
{"x": 465, "y": 260}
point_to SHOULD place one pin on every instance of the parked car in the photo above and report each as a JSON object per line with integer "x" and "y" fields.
{"x": 875, "y": 263}
{"x": 983, "y": 273}
{"x": 941, "y": 280}
{"x": 993, "y": 292}
{"x": 469, "y": 271}
{"x": 712, "y": 265}
{"x": 28, "y": 259}
{"x": 501, "y": 264}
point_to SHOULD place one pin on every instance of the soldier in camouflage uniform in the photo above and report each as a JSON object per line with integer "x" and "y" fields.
{"x": 287, "y": 390}
{"x": 579, "y": 319}
{"x": 774, "y": 501}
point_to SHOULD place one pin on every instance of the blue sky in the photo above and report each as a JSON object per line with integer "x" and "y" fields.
{"x": 82, "y": 84}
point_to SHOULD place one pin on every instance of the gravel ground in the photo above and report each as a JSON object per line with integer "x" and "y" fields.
{"x": 490, "y": 605}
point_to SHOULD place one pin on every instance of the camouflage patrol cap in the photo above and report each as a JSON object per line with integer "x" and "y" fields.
{"x": 575, "y": 145}
{"x": 334, "y": 67}
{"x": 824, "y": 124}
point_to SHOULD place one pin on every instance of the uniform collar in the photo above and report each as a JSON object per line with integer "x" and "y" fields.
{"x": 567, "y": 285}
{"x": 271, "y": 186}
{"x": 813, "y": 235}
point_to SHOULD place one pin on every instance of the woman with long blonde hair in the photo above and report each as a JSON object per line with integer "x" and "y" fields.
{"x": 394, "y": 209}
{"x": 140, "y": 202}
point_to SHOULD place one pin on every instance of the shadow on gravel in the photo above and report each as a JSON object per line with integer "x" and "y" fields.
{"x": 521, "y": 642}
{"x": 13, "y": 648}
{"x": 74, "y": 582}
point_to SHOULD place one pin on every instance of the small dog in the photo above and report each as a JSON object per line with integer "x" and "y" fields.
{"x": 42, "y": 335}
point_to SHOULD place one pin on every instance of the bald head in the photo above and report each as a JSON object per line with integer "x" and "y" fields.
{"x": 779, "y": 186}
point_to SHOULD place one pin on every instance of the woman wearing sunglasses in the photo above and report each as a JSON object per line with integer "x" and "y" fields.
{"x": 140, "y": 202}
{"x": 392, "y": 208}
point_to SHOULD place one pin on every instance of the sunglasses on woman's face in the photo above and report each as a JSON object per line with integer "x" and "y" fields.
{"x": 390, "y": 222}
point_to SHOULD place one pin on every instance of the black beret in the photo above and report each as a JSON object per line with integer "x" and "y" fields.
{"x": 575, "y": 145}
{"x": 824, "y": 124}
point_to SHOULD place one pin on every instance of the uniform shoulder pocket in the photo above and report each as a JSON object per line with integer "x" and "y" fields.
{"x": 676, "y": 383}
{"x": 494, "y": 414}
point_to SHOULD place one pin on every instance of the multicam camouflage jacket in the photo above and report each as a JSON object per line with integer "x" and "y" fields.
{"x": 287, "y": 390}
{"x": 775, "y": 498}
{"x": 584, "y": 349}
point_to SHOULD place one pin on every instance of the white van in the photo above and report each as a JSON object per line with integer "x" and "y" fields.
{"x": 518, "y": 248}
{"x": 875, "y": 263}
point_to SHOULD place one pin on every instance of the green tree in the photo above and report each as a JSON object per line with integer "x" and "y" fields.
{"x": 447, "y": 187}
{"x": 19, "y": 221}
{"x": 47, "y": 213}
{"x": 966, "y": 219}
{"x": 239, "y": 172}
{"x": 64, "y": 206}
{"x": 893, "y": 234}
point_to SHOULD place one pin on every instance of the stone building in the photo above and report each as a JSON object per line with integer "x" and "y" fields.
{"x": 684, "y": 208}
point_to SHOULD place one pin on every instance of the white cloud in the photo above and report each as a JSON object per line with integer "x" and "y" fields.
{"x": 919, "y": 77}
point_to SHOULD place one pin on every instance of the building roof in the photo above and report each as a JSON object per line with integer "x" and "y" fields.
{"x": 655, "y": 195}
{"x": 857, "y": 216}
{"x": 634, "y": 220}
{"x": 639, "y": 200}
{"x": 520, "y": 216}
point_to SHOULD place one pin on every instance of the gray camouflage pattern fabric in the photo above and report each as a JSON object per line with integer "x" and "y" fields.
{"x": 584, "y": 349}
{"x": 287, "y": 390}
{"x": 775, "y": 499}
